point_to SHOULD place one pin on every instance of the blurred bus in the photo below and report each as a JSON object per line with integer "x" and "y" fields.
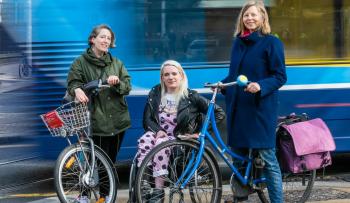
{"x": 316, "y": 36}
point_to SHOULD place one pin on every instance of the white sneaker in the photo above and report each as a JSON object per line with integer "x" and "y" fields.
{"x": 83, "y": 199}
{"x": 107, "y": 199}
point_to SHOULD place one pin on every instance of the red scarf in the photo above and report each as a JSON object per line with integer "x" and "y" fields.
{"x": 246, "y": 33}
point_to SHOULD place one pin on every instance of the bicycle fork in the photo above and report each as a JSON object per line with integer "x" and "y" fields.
{"x": 88, "y": 177}
{"x": 83, "y": 160}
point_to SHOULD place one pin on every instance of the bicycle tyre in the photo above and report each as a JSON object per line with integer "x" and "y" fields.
{"x": 262, "y": 197}
{"x": 297, "y": 188}
{"x": 190, "y": 193}
{"x": 69, "y": 175}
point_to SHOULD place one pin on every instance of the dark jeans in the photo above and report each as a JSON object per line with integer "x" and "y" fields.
{"x": 110, "y": 144}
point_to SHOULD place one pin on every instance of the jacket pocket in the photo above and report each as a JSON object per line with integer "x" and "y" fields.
{"x": 122, "y": 104}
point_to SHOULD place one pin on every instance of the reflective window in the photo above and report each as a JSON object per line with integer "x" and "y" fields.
{"x": 188, "y": 31}
{"x": 307, "y": 29}
{"x": 202, "y": 31}
{"x": 344, "y": 29}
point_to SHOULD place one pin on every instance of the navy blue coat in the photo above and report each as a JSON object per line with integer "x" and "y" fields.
{"x": 252, "y": 118}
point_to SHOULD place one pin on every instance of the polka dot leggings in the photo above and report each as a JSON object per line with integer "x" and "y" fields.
{"x": 148, "y": 141}
{"x": 160, "y": 162}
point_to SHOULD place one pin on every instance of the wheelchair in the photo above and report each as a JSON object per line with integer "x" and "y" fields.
{"x": 174, "y": 169}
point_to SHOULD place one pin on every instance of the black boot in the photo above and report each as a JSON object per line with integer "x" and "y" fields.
{"x": 157, "y": 196}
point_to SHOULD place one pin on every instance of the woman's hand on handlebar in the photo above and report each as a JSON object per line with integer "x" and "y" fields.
{"x": 218, "y": 89}
{"x": 80, "y": 95}
{"x": 113, "y": 80}
{"x": 253, "y": 87}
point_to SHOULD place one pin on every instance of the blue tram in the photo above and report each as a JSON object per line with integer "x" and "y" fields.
{"x": 197, "y": 33}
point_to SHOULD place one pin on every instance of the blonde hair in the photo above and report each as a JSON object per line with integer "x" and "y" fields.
{"x": 265, "y": 26}
{"x": 182, "y": 92}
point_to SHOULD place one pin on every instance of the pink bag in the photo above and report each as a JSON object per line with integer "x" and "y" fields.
{"x": 305, "y": 146}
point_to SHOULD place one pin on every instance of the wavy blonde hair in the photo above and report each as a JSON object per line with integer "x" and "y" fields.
{"x": 265, "y": 26}
{"x": 182, "y": 92}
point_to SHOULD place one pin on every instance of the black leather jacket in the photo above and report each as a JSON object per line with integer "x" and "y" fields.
{"x": 190, "y": 114}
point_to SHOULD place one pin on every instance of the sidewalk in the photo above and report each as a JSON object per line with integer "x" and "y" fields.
{"x": 329, "y": 191}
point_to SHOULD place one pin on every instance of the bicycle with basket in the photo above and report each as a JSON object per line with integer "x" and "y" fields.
{"x": 83, "y": 170}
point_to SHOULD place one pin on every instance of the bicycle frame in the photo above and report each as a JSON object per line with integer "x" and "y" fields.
{"x": 220, "y": 147}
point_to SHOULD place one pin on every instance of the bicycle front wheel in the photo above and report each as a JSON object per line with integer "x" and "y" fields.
{"x": 154, "y": 185}
{"x": 75, "y": 179}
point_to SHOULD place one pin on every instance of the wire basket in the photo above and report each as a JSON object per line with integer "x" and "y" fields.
{"x": 67, "y": 119}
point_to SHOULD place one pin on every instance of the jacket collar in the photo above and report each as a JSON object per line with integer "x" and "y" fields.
{"x": 252, "y": 38}
{"x": 102, "y": 62}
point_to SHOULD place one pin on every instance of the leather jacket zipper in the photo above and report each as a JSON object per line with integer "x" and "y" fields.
{"x": 157, "y": 119}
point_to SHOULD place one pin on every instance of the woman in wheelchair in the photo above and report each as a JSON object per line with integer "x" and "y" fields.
{"x": 171, "y": 110}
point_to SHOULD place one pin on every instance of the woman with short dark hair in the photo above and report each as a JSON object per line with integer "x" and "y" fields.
{"x": 109, "y": 115}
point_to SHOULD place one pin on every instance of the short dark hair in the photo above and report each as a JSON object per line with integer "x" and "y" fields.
{"x": 97, "y": 31}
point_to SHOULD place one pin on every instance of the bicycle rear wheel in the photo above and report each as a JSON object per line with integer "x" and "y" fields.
{"x": 73, "y": 178}
{"x": 297, "y": 188}
{"x": 204, "y": 186}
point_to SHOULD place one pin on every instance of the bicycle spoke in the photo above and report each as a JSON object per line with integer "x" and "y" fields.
{"x": 75, "y": 179}
{"x": 200, "y": 188}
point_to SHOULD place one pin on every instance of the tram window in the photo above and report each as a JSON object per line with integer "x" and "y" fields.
{"x": 346, "y": 27}
{"x": 175, "y": 29}
{"x": 307, "y": 29}
{"x": 311, "y": 30}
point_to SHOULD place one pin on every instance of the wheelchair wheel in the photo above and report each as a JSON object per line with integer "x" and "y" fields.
{"x": 132, "y": 177}
{"x": 74, "y": 178}
{"x": 204, "y": 186}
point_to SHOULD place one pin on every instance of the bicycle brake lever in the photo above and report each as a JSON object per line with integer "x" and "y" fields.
{"x": 103, "y": 84}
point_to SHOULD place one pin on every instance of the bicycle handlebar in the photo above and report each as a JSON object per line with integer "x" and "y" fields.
{"x": 219, "y": 84}
{"x": 95, "y": 84}
{"x": 241, "y": 80}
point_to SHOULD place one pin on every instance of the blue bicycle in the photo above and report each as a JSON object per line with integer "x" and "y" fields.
{"x": 193, "y": 173}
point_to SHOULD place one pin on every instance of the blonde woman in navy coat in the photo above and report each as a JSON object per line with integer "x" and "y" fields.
{"x": 252, "y": 111}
